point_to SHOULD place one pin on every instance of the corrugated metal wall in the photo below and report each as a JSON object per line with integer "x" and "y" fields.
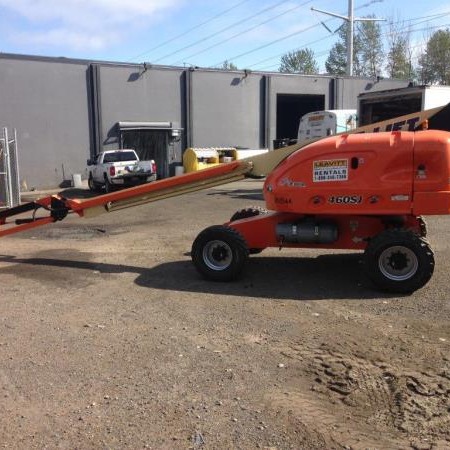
{"x": 226, "y": 109}
{"x": 66, "y": 110}
{"x": 47, "y": 102}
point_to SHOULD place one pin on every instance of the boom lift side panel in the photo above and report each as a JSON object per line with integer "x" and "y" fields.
{"x": 370, "y": 174}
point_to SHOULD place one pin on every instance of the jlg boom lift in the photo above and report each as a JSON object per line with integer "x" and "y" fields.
{"x": 350, "y": 191}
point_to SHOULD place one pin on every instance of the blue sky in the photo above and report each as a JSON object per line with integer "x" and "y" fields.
{"x": 252, "y": 34}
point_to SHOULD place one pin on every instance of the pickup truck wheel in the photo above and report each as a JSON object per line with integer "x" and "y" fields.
{"x": 219, "y": 253}
{"x": 107, "y": 185}
{"x": 399, "y": 261}
{"x": 92, "y": 184}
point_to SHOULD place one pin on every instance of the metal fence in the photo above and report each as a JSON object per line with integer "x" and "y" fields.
{"x": 9, "y": 171}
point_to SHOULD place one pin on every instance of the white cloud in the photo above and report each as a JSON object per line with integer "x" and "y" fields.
{"x": 69, "y": 38}
{"x": 81, "y": 24}
{"x": 78, "y": 11}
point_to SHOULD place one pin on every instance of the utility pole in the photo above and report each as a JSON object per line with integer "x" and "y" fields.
{"x": 351, "y": 19}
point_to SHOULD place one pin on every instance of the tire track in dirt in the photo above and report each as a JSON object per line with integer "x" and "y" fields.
{"x": 386, "y": 406}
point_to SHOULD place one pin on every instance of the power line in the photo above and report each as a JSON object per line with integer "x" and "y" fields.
{"x": 297, "y": 49}
{"x": 350, "y": 19}
{"x": 271, "y": 43}
{"x": 431, "y": 17}
{"x": 446, "y": 25}
{"x": 195, "y": 27}
{"x": 221, "y": 31}
{"x": 245, "y": 31}
{"x": 410, "y": 48}
{"x": 324, "y": 52}
{"x": 286, "y": 37}
{"x": 427, "y": 19}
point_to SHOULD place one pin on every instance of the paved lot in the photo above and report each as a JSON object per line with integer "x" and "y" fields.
{"x": 110, "y": 339}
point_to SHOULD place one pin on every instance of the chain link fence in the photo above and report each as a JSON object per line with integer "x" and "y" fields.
{"x": 9, "y": 170}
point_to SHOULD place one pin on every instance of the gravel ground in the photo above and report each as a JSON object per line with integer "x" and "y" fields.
{"x": 109, "y": 339}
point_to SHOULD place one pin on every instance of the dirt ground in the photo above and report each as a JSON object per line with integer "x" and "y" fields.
{"x": 109, "y": 339}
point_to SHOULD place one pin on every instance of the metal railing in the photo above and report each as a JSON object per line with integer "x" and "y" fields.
{"x": 9, "y": 171}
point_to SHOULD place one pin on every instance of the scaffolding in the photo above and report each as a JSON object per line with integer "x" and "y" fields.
{"x": 9, "y": 171}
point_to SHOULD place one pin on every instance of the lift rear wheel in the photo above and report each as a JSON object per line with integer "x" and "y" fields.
{"x": 219, "y": 253}
{"x": 245, "y": 213}
{"x": 423, "y": 227}
{"x": 399, "y": 261}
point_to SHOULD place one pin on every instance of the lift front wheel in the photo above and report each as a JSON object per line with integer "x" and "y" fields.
{"x": 399, "y": 261}
{"x": 219, "y": 253}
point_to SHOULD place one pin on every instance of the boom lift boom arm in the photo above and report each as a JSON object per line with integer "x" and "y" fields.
{"x": 57, "y": 207}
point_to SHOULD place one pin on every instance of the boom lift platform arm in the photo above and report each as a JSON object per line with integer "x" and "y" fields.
{"x": 57, "y": 207}
{"x": 350, "y": 191}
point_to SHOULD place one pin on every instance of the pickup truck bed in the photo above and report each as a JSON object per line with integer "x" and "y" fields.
{"x": 120, "y": 168}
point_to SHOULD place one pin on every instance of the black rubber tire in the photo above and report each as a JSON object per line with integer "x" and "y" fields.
{"x": 107, "y": 185}
{"x": 219, "y": 253}
{"x": 423, "y": 226}
{"x": 399, "y": 261}
{"x": 245, "y": 213}
{"x": 92, "y": 184}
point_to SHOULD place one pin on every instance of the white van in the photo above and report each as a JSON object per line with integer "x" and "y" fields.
{"x": 319, "y": 124}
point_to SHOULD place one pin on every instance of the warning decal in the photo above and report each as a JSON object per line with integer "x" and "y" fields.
{"x": 330, "y": 170}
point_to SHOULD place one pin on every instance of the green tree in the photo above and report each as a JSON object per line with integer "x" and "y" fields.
{"x": 367, "y": 50}
{"x": 434, "y": 63}
{"x": 300, "y": 61}
{"x": 227, "y": 65}
{"x": 336, "y": 62}
{"x": 399, "y": 54}
{"x": 370, "y": 48}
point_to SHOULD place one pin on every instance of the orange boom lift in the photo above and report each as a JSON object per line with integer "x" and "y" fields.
{"x": 350, "y": 191}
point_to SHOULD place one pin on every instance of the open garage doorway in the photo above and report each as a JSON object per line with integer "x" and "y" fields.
{"x": 153, "y": 140}
{"x": 150, "y": 144}
{"x": 290, "y": 108}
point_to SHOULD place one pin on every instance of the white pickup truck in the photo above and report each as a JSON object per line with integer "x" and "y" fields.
{"x": 120, "y": 168}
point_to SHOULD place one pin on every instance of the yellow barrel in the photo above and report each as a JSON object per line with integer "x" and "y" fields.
{"x": 199, "y": 158}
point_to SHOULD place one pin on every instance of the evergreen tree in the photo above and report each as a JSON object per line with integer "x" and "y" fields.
{"x": 369, "y": 48}
{"x": 434, "y": 63}
{"x": 336, "y": 62}
{"x": 398, "y": 60}
{"x": 300, "y": 61}
{"x": 398, "y": 63}
{"x": 227, "y": 65}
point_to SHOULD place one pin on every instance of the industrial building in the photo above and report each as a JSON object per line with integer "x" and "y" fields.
{"x": 67, "y": 110}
